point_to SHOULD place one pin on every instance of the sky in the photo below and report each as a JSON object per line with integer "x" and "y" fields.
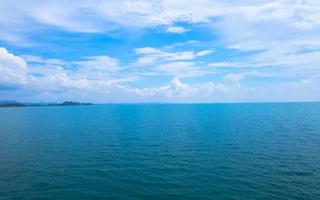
{"x": 186, "y": 51}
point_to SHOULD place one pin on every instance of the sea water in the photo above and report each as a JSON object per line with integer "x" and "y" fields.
{"x": 161, "y": 151}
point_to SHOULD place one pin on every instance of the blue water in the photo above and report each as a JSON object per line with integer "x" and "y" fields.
{"x": 142, "y": 151}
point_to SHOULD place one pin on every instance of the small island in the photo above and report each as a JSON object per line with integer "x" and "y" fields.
{"x": 71, "y": 103}
{"x": 11, "y": 104}
{"x": 18, "y": 104}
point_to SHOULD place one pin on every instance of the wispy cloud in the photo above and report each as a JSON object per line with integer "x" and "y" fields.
{"x": 176, "y": 29}
{"x": 150, "y": 55}
{"x": 245, "y": 44}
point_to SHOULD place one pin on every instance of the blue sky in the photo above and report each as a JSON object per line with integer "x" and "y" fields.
{"x": 160, "y": 51}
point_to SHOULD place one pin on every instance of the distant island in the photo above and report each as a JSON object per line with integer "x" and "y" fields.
{"x": 18, "y": 104}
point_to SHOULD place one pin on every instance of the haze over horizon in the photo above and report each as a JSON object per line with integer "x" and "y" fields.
{"x": 160, "y": 51}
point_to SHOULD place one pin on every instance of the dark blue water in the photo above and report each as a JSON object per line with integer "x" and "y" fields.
{"x": 199, "y": 151}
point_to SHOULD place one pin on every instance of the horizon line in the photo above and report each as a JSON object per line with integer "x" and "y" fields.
{"x": 161, "y": 102}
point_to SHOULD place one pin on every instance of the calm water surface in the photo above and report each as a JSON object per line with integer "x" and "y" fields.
{"x": 124, "y": 152}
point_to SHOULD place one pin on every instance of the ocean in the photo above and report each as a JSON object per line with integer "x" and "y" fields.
{"x": 249, "y": 151}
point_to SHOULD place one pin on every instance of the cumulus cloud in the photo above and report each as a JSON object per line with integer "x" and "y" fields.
{"x": 55, "y": 75}
{"x": 50, "y": 80}
{"x": 45, "y": 77}
{"x": 13, "y": 70}
{"x": 178, "y": 91}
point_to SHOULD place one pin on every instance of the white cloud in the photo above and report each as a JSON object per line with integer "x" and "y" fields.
{"x": 177, "y": 91}
{"x": 96, "y": 67}
{"x": 105, "y": 16}
{"x": 49, "y": 81}
{"x": 147, "y": 60}
{"x": 176, "y": 29}
{"x": 13, "y": 70}
{"x": 279, "y": 56}
{"x": 153, "y": 13}
{"x": 178, "y": 69}
{"x": 148, "y": 50}
{"x": 203, "y": 53}
{"x": 224, "y": 64}
{"x": 280, "y": 35}
{"x": 44, "y": 75}
{"x": 57, "y": 80}
{"x": 150, "y": 55}
{"x": 233, "y": 78}
{"x": 186, "y": 55}
{"x": 173, "y": 63}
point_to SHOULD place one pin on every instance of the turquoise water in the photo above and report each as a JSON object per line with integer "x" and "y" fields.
{"x": 145, "y": 151}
